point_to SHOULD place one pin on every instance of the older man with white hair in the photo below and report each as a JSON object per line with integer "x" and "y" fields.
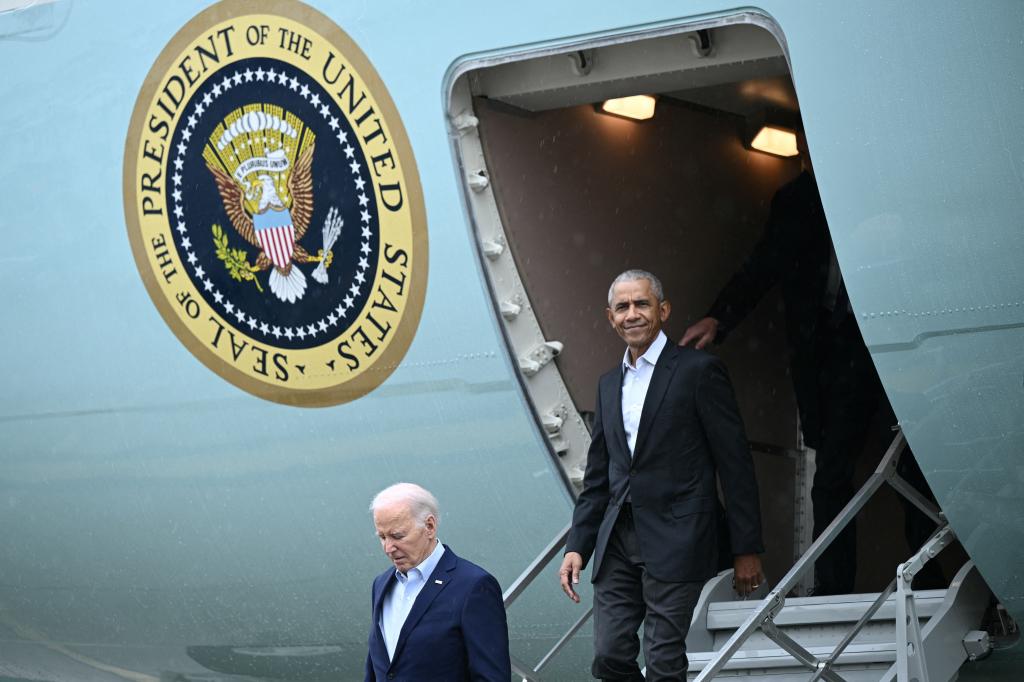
{"x": 436, "y": 616}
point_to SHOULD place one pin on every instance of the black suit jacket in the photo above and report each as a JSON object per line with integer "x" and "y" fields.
{"x": 690, "y": 429}
{"x": 794, "y": 251}
{"x": 456, "y": 630}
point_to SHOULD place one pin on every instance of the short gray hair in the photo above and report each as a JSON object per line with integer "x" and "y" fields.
{"x": 421, "y": 502}
{"x": 633, "y": 275}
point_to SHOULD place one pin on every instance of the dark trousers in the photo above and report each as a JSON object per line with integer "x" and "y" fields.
{"x": 849, "y": 394}
{"x": 626, "y": 596}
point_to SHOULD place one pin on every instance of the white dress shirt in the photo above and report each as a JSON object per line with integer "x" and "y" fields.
{"x": 635, "y": 382}
{"x": 402, "y": 595}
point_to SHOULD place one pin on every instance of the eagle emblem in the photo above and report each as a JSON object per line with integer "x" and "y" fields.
{"x": 261, "y": 158}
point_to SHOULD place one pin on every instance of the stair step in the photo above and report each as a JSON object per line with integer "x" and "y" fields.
{"x": 882, "y": 654}
{"x": 846, "y": 608}
{"x": 818, "y": 623}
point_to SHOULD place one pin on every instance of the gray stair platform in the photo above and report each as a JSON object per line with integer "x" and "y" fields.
{"x": 819, "y": 623}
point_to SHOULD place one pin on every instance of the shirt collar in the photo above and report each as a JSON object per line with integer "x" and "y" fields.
{"x": 651, "y": 355}
{"x": 426, "y": 567}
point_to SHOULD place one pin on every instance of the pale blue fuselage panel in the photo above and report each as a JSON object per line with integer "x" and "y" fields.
{"x": 147, "y": 502}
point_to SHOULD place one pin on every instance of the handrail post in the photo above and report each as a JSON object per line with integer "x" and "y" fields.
{"x": 910, "y": 662}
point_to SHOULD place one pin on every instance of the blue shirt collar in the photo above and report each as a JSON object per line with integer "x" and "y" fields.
{"x": 425, "y": 567}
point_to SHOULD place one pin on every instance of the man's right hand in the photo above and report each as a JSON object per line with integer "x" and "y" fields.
{"x": 569, "y": 574}
{"x": 703, "y": 332}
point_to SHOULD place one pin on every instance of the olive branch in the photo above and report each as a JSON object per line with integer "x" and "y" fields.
{"x": 236, "y": 261}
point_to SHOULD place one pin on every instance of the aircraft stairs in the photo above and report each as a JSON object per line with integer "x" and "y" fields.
{"x": 806, "y": 632}
{"x": 897, "y": 634}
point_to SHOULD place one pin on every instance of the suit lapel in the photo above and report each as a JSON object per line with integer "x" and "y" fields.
{"x": 613, "y": 415}
{"x": 381, "y": 588}
{"x": 435, "y": 583}
{"x": 660, "y": 380}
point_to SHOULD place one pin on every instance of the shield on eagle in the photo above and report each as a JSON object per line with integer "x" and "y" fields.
{"x": 276, "y": 234}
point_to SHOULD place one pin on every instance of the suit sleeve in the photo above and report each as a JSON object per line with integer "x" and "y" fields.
{"x": 759, "y": 273}
{"x": 723, "y": 427}
{"x": 369, "y": 675}
{"x": 593, "y": 501}
{"x": 485, "y": 633}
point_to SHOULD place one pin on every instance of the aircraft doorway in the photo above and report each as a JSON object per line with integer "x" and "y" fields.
{"x": 563, "y": 197}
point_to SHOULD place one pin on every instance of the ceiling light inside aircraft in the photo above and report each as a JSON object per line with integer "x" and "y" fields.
{"x": 639, "y": 107}
{"x": 775, "y": 140}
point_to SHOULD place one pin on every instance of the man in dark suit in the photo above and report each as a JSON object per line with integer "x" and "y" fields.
{"x": 435, "y": 616}
{"x": 837, "y": 389}
{"x": 665, "y": 424}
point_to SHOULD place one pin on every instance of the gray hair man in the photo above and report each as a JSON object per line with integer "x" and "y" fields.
{"x": 666, "y": 424}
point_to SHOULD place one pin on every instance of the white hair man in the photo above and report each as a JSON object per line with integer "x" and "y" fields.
{"x": 436, "y": 616}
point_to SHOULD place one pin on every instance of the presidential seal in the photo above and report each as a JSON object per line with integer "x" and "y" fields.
{"x": 273, "y": 204}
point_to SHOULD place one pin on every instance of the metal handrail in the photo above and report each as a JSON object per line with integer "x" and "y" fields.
{"x": 883, "y": 596}
{"x": 905, "y": 573}
{"x": 910, "y": 661}
{"x": 522, "y": 670}
{"x": 573, "y": 629}
{"x": 763, "y": 617}
{"x": 794, "y": 649}
{"x": 776, "y": 598}
{"x": 520, "y": 584}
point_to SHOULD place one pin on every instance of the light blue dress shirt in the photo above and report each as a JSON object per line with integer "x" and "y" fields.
{"x": 402, "y": 595}
{"x": 635, "y": 382}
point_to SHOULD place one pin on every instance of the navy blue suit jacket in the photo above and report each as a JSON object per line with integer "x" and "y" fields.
{"x": 455, "y": 631}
